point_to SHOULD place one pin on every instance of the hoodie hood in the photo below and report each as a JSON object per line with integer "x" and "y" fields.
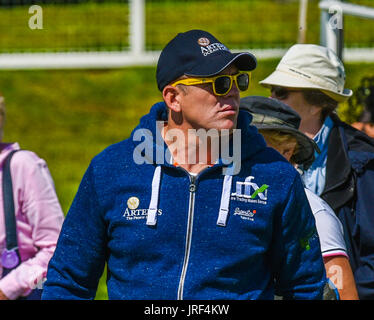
{"x": 150, "y": 146}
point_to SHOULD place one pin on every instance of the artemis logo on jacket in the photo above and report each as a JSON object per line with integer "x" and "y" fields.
{"x": 133, "y": 213}
{"x": 137, "y": 214}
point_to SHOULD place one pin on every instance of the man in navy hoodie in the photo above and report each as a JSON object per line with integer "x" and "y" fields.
{"x": 174, "y": 215}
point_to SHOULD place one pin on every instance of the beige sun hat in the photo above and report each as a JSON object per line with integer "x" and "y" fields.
{"x": 311, "y": 66}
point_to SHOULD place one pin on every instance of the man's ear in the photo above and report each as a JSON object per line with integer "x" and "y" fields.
{"x": 172, "y": 96}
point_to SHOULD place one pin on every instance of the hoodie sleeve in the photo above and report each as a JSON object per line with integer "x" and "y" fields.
{"x": 300, "y": 272}
{"x": 78, "y": 262}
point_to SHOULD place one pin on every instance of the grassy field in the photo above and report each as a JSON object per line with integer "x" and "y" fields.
{"x": 105, "y": 26}
{"x": 67, "y": 117}
{"x": 66, "y": 28}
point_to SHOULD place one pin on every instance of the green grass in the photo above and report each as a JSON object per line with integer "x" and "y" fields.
{"x": 239, "y": 24}
{"x": 73, "y": 115}
{"x": 105, "y": 26}
{"x": 79, "y": 27}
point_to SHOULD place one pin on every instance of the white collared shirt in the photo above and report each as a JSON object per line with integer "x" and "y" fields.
{"x": 329, "y": 227}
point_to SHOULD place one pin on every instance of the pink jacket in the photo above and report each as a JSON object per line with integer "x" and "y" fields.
{"x": 39, "y": 219}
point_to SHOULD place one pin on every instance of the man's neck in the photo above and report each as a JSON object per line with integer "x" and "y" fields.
{"x": 188, "y": 150}
{"x": 311, "y": 126}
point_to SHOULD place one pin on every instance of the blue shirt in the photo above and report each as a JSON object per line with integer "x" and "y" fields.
{"x": 314, "y": 178}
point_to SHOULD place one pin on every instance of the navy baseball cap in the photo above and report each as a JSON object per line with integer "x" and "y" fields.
{"x": 197, "y": 53}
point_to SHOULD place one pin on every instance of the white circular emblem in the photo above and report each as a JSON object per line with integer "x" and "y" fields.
{"x": 203, "y": 42}
{"x": 133, "y": 203}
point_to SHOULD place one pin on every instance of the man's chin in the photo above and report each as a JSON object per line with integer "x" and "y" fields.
{"x": 228, "y": 124}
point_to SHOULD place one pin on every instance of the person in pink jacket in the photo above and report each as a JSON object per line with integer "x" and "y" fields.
{"x": 38, "y": 217}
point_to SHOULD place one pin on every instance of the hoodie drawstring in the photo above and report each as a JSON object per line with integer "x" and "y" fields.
{"x": 153, "y": 205}
{"x": 225, "y": 201}
{"x": 224, "y": 204}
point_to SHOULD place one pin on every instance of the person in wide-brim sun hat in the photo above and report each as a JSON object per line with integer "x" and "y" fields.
{"x": 320, "y": 69}
{"x": 311, "y": 80}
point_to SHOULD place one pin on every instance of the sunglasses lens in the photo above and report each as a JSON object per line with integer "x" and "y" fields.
{"x": 243, "y": 81}
{"x": 222, "y": 85}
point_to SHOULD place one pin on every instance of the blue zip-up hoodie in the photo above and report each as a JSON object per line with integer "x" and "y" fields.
{"x": 167, "y": 235}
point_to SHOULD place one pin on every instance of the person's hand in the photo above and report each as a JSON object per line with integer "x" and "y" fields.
{"x": 3, "y": 296}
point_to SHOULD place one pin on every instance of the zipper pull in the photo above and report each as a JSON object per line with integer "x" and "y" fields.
{"x": 192, "y": 187}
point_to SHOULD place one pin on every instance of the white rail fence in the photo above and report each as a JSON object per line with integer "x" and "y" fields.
{"x": 331, "y": 36}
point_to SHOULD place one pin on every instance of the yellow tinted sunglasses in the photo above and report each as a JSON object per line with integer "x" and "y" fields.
{"x": 222, "y": 84}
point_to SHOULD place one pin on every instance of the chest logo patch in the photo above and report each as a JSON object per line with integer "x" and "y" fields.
{"x": 133, "y": 203}
{"x": 249, "y": 191}
{"x": 133, "y": 212}
{"x": 245, "y": 214}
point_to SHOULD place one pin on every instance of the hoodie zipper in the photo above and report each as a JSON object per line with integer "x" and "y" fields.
{"x": 191, "y": 209}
